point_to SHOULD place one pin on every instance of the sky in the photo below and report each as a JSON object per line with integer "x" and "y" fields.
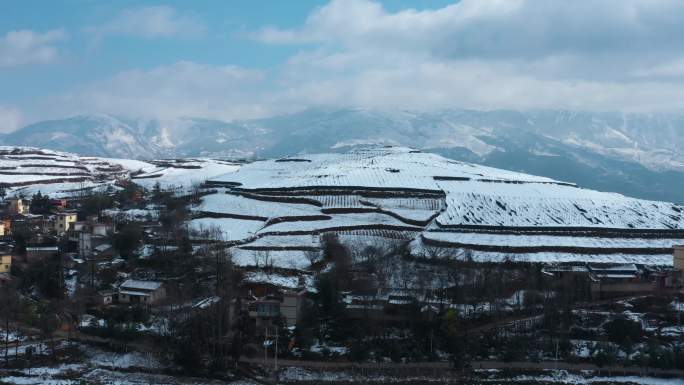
{"x": 248, "y": 59}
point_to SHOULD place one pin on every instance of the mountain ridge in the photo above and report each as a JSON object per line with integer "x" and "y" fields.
{"x": 608, "y": 151}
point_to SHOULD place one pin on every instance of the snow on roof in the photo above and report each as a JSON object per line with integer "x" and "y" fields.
{"x": 42, "y": 248}
{"x": 624, "y": 267}
{"x": 135, "y": 292}
{"x": 206, "y": 302}
{"x": 102, "y": 247}
{"x": 132, "y": 284}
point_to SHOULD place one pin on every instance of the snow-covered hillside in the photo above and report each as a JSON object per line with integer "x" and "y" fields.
{"x": 605, "y": 151}
{"x": 445, "y": 208}
{"x": 28, "y": 170}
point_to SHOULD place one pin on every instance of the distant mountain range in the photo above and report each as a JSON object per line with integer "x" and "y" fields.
{"x": 639, "y": 155}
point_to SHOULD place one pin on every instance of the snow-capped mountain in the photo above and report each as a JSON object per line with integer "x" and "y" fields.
{"x": 636, "y": 154}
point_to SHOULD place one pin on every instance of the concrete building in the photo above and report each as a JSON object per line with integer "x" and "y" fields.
{"x": 17, "y": 206}
{"x": 620, "y": 280}
{"x": 287, "y": 305}
{"x": 64, "y": 222}
{"x": 6, "y": 225}
{"x": 141, "y": 292}
{"x": 106, "y": 297}
{"x": 101, "y": 229}
{"x": 5, "y": 263}
{"x": 291, "y": 306}
{"x": 678, "y": 257}
{"x": 85, "y": 245}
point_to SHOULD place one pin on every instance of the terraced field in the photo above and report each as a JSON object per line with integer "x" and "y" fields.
{"x": 27, "y": 170}
{"x": 443, "y": 208}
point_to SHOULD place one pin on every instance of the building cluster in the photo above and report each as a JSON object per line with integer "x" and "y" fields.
{"x": 27, "y": 238}
{"x": 87, "y": 244}
{"x": 594, "y": 281}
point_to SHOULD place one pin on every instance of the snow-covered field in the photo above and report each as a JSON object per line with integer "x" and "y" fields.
{"x": 337, "y": 221}
{"x": 285, "y": 259}
{"x": 224, "y": 229}
{"x": 182, "y": 175}
{"x": 27, "y": 170}
{"x": 510, "y": 215}
{"x": 381, "y": 190}
{"x": 238, "y": 205}
{"x": 384, "y": 168}
{"x": 551, "y": 205}
{"x": 560, "y": 241}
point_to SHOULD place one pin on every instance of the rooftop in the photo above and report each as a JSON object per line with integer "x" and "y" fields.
{"x": 132, "y": 284}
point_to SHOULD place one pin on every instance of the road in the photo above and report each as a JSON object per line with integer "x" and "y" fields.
{"x": 547, "y": 365}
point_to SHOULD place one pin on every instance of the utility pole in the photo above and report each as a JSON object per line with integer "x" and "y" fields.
{"x": 556, "y": 362}
{"x": 265, "y": 345}
{"x": 276, "y": 351}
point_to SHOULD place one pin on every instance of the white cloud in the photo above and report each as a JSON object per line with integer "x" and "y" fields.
{"x": 512, "y": 54}
{"x": 493, "y": 28}
{"x": 11, "y": 119}
{"x": 26, "y": 47}
{"x": 518, "y": 54}
{"x": 150, "y": 22}
{"x": 180, "y": 89}
{"x": 672, "y": 68}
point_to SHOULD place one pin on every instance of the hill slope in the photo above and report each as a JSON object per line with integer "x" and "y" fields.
{"x": 445, "y": 208}
{"x": 636, "y": 154}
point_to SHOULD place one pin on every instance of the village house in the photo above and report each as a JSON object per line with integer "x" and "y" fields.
{"x": 17, "y": 206}
{"x": 5, "y": 263}
{"x": 64, "y": 221}
{"x": 87, "y": 236}
{"x": 264, "y": 311}
{"x": 101, "y": 229}
{"x": 141, "y": 292}
{"x": 90, "y": 246}
{"x": 605, "y": 281}
{"x": 59, "y": 204}
{"x": 6, "y": 224}
{"x": 678, "y": 257}
{"x": 106, "y": 297}
{"x": 677, "y": 281}
{"x": 620, "y": 280}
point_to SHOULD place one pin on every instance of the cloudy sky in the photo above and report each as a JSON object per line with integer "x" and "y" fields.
{"x": 245, "y": 59}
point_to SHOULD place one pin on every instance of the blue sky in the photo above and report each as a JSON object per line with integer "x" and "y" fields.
{"x": 246, "y": 59}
